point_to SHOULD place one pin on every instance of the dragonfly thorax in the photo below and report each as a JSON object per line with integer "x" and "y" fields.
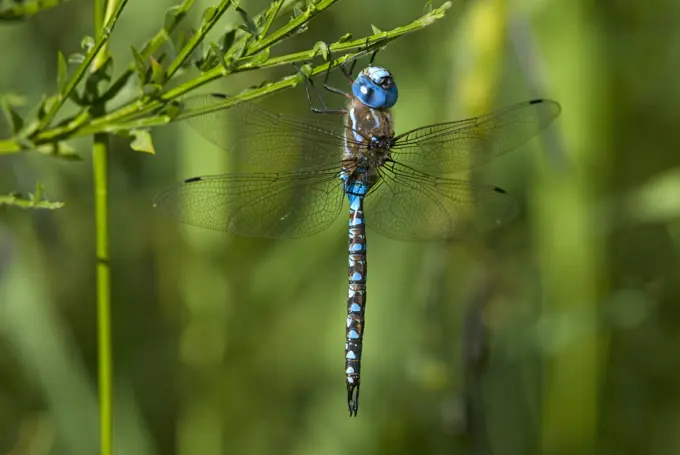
{"x": 369, "y": 134}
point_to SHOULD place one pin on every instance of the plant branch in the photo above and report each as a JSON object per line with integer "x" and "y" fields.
{"x": 78, "y": 75}
{"x": 198, "y": 37}
{"x": 145, "y": 111}
{"x": 106, "y": 12}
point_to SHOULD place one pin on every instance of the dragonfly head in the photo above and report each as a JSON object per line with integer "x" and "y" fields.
{"x": 375, "y": 87}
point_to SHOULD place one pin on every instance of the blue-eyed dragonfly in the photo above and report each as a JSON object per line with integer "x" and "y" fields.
{"x": 300, "y": 171}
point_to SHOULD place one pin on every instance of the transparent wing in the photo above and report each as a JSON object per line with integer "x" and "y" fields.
{"x": 267, "y": 141}
{"x": 408, "y": 204}
{"x": 269, "y": 205}
{"x": 450, "y": 147}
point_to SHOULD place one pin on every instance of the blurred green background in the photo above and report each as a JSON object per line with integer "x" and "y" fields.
{"x": 556, "y": 334}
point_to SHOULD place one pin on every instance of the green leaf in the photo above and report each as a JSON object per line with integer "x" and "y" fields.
{"x": 344, "y": 38}
{"x": 87, "y": 43}
{"x": 140, "y": 66}
{"x": 62, "y": 72}
{"x": 35, "y": 200}
{"x": 38, "y": 195}
{"x": 157, "y": 72}
{"x": 44, "y": 106}
{"x": 428, "y": 7}
{"x": 172, "y": 110}
{"x": 260, "y": 57}
{"x": 175, "y": 14}
{"x": 248, "y": 25}
{"x": 59, "y": 150}
{"x": 218, "y": 54}
{"x": 151, "y": 89}
{"x": 142, "y": 142}
{"x": 15, "y": 121}
{"x": 376, "y": 30}
{"x": 21, "y": 10}
{"x": 76, "y": 59}
{"x": 76, "y": 98}
{"x": 227, "y": 40}
{"x": 209, "y": 14}
{"x": 97, "y": 82}
{"x": 321, "y": 47}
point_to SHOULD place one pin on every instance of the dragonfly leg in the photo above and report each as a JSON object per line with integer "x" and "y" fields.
{"x": 323, "y": 109}
{"x": 347, "y": 74}
{"x": 375, "y": 52}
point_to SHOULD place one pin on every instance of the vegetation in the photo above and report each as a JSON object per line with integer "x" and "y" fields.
{"x": 551, "y": 335}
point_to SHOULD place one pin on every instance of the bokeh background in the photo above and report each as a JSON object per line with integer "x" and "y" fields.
{"x": 556, "y": 334}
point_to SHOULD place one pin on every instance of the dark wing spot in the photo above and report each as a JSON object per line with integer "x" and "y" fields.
{"x": 538, "y": 101}
{"x": 193, "y": 179}
{"x": 500, "y": 190}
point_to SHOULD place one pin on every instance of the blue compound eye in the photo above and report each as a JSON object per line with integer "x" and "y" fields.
{"x": 376, "y": 88}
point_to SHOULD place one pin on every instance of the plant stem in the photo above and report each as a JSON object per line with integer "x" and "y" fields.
{"x": 106, "y": 12}
{"x": 197, "y": 39}
{"x": 105, "y": 370}
{"x": 103, "y": 30}
{"x": 143, "y": 110}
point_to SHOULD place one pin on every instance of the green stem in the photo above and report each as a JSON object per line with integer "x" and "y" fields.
{"x": 105, "y": 373}
{"x": 106, "y": 12}
{"x": 271, "y": 14}
{"x": 290, "y": 27}
{"x": 197, "y": 39}
{"x": 145, "y": 108}
{"x": 103, "y": 33}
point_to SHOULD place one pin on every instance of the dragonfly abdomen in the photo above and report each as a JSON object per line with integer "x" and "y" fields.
{"x": 356, "y": 297}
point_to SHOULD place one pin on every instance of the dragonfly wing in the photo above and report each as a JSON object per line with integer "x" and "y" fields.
{"x": 269, "y": 205}
{"x": 450, "y": 147}
{"x": 408, "y": 204}
{"x": 267, "y": 141}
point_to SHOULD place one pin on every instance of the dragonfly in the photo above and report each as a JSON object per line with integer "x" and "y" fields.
{"x": 300, "y": 170}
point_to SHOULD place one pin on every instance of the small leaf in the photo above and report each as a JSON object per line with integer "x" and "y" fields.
{"x": 321, "y": 47}
{"x": 218, "y": 54}
{"x": 15, "y": 121}
{"x": 97, "y": 82}
{"x": 76, "y": 59}
{"x": 306, "y": 70}
{"x": 87, "y": 43}
{"x": 59, "y": 150}
{"x": 38, "y": 195}
{"x": 22, "y": 10}
{"x": 227, "y": 40}
{"x": 248, "y": 24}
{"x": 76, "y": 98}
{"x": 376, "y": 30}
{"x": 297, "y": 12}
{"x": 172, "y": 110}
{"x": 157, "y": 72}
{"x": 175, "y": 14}
{"x": 255, "y": 61}
{"x": 44, "y": 106}
{"x": 151, "y": 89}
{"x": 140, "y": 65}
{"x": 344, "y": 38}
{"x": 62, "y": 72}
{"x": 172, "y": 16}
{"x": 428, "y": 8}
{"x": 32, "y": 202}
{"x": 209, "y": 14}
{"x": 15, "y": 99}
{"x": 142, "y": 142}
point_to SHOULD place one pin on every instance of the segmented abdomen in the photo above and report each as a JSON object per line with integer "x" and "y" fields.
{"x": 356, "y": 298}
